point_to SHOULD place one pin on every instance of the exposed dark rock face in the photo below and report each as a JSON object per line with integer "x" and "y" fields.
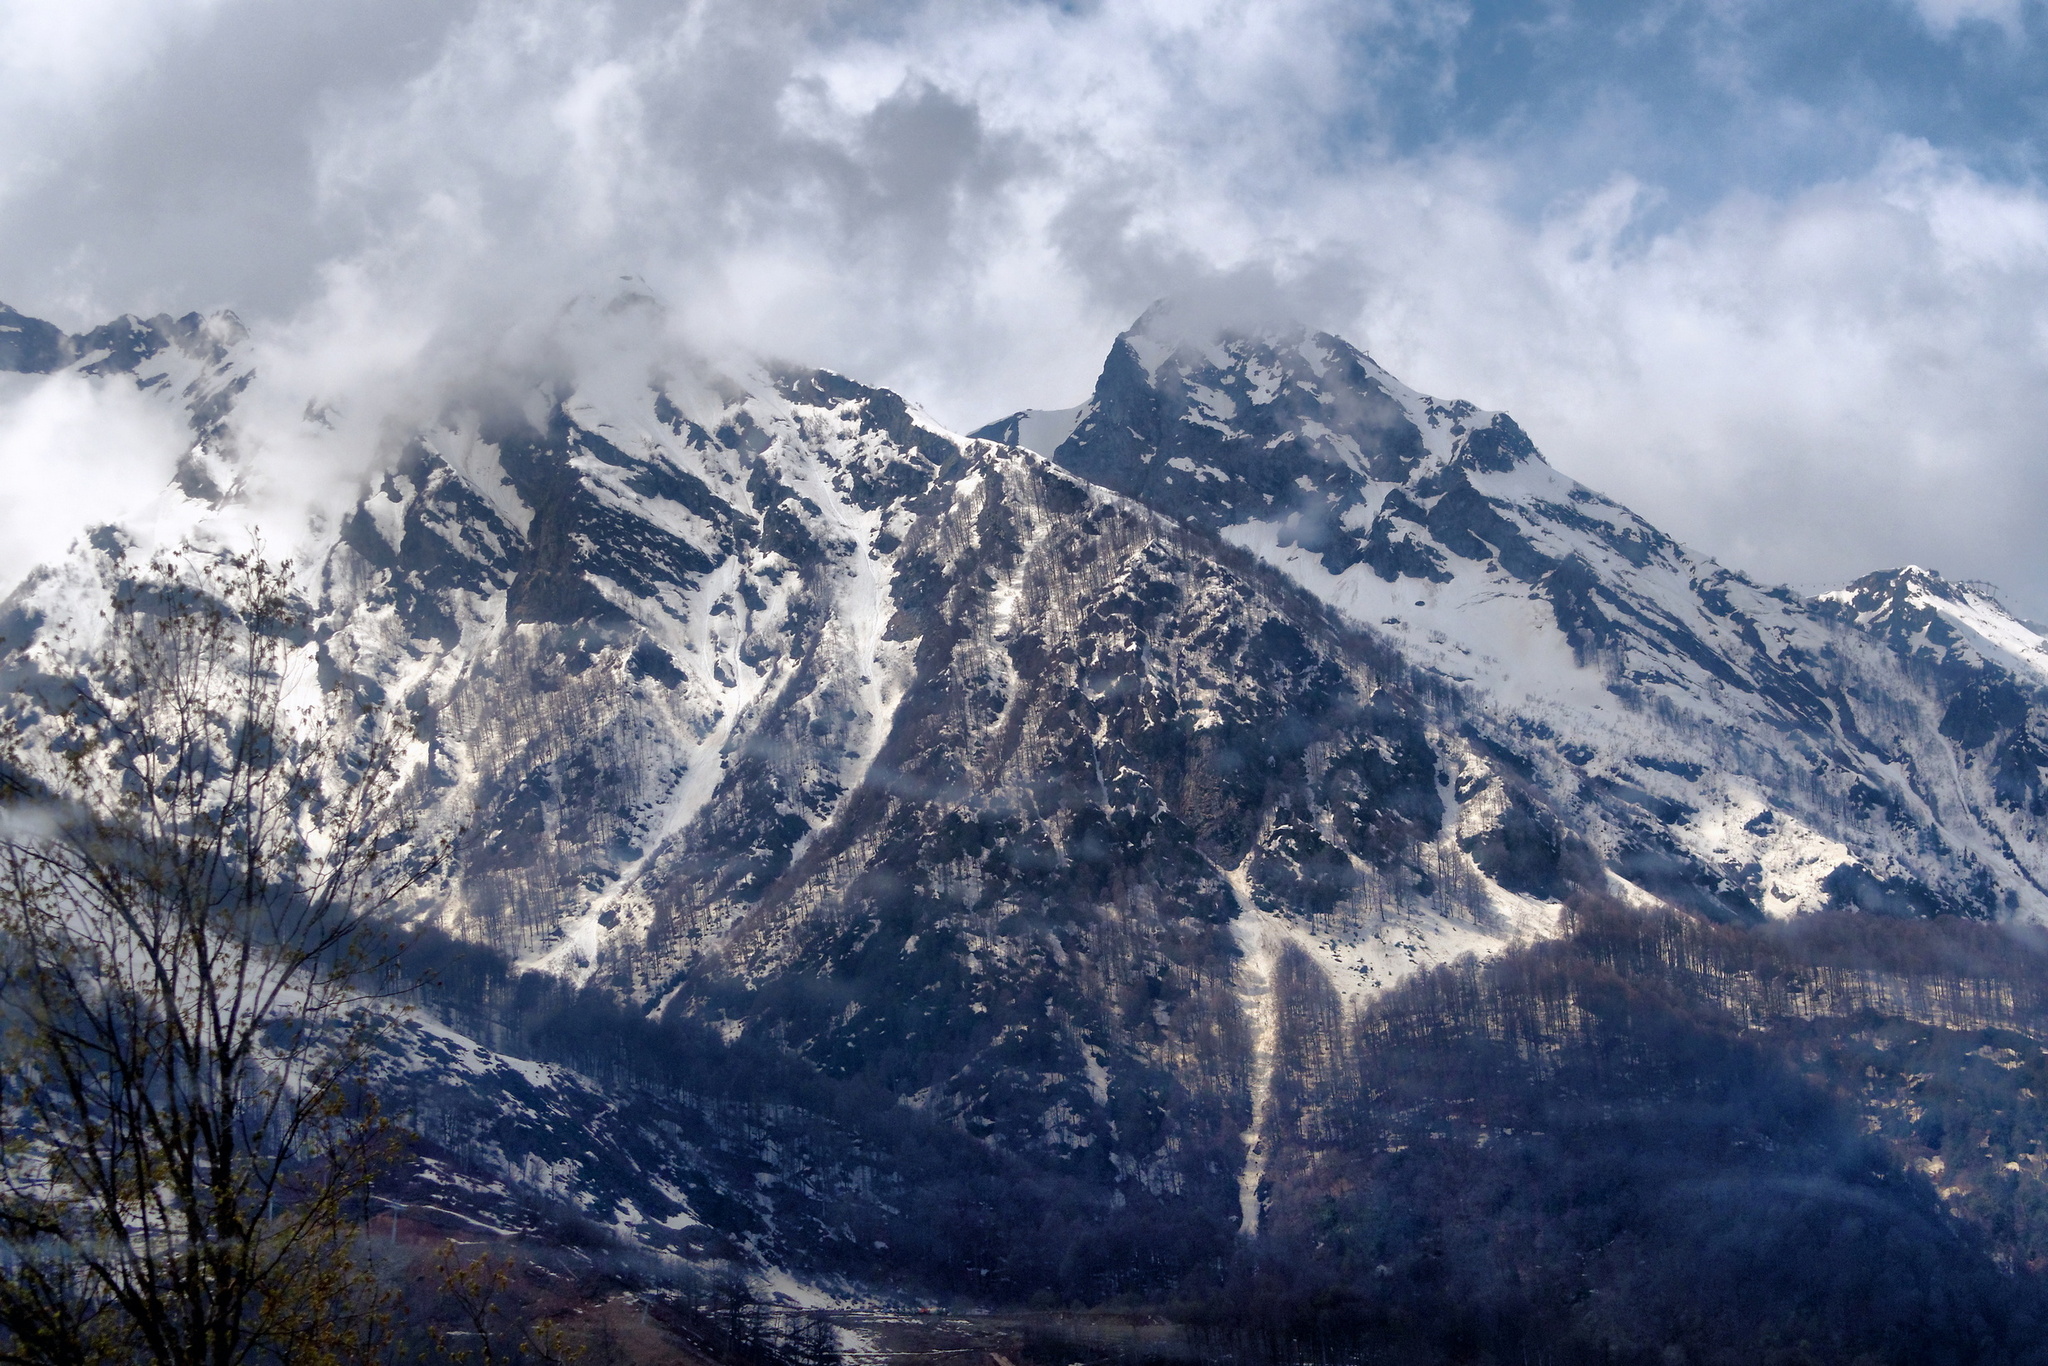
{"x": 1022, "y": 915}
{"x": 1441, "y": 525}
{"x": 929, "y": 859}
{"x": 30, "y": 346}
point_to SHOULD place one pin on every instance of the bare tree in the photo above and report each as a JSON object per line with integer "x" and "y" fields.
{"x": 483, "y": 1326}
{"x": 193, "y": 858}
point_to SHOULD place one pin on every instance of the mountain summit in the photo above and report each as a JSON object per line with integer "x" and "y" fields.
{"x": 1950, "y": 625}
{"x": 1034, "y": 834}
{"x": 1638, "y": 678}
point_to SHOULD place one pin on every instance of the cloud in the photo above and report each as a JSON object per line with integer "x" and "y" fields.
{"x": 1808, "y": 389}
{"x": 1746, "y": 267}
{"x": 1943, "y": 16}
{"x": 156, "y": 154}
{"x": 58, "y": 58}
{"x": 76, "y": 452}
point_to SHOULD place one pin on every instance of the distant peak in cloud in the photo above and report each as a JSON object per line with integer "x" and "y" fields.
{"x": 1182, "y": 320}
{"x": 1242, "y": 305}
{"x": 1173, "y": 328}
{"x": 1254, "y": 300}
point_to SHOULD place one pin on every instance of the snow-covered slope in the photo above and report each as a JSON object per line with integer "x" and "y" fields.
{"x": 766, "y": 704}
{"x": 1731, "y": 746}
{"x": 1065, "y": 806}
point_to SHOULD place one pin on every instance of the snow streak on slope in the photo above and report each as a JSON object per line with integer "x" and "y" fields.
{"x": 911, "y": 762}
{"x": 1260, "y": 948}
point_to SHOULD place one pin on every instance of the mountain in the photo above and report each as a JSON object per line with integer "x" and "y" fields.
{"x": 1730, "y": 747}
{"x": 907, "y": 859}
{"x": 1957, "y": 628}
{"x": 197, "y": 364}
{"x": 772, "y": 708}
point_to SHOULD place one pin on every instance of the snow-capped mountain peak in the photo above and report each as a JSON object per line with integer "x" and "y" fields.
{"x": 1283, "y": 426}
{"x": 1943, "y": 622}
{"x": 1726, "y": 742}
{"x": 1075, "y": 805}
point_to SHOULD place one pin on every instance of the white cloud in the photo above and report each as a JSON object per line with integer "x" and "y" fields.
{"x": 1943, "y": 16}
{"x": 66, "y": 53}
{"x": 1808, "y": 389}
{"x": 74, "y": 452}
{"x": 967, "y": 198}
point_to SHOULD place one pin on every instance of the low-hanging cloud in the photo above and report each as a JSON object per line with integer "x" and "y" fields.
{"x": 966, "y": 199}
{"x": 82, "y": 452}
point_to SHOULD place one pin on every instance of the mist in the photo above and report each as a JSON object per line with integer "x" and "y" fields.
{"x": 89, "y": 451}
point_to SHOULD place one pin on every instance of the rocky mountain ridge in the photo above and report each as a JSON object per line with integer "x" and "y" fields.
{"x": 1063, "y": 811}
{"x": 1729, "y": 746}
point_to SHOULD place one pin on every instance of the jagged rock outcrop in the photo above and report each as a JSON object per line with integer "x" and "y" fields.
{"x": 1030, "y": 829}
{"x": 1734, "y": 748}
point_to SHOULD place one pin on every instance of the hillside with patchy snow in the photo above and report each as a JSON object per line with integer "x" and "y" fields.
{"x": 765, "y": 704}
{"x": 1026, "y": 821}
{"x": 1736, "y": 748}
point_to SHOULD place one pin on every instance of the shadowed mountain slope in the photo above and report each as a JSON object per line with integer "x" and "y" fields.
{"x": 921, "y": 859}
